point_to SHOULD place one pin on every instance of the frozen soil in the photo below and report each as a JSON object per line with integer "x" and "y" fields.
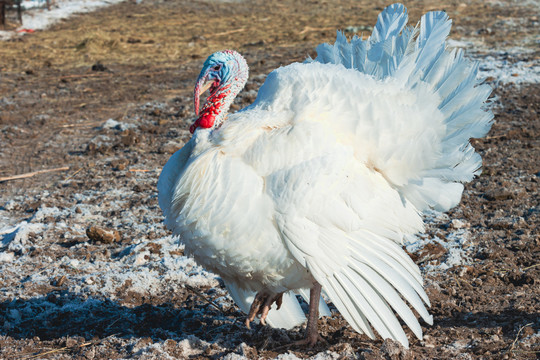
{"x": 87, "y": 270}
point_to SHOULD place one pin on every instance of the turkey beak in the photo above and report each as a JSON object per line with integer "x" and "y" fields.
{"x": 206, "y": 87}
{"x": 202, "y": 85}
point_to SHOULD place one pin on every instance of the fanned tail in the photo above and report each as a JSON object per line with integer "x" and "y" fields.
{"x": 453, "y": 78}
{"x": 381, "y": 53}
{"x": 417, "y": 58}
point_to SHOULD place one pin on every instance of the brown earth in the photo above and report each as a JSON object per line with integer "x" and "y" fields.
{"x": 137, "y": 64}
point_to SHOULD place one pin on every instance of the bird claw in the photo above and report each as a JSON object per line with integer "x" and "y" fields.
{"x": 310, "y": 341}
{"x": 261, "y": 306}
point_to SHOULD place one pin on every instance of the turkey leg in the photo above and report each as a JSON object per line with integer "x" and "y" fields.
{"x": 312, "y": 331}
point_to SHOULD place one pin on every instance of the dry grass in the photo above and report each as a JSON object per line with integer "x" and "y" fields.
{"x": 156, "y": 35}
{"x": 178, "y": 32}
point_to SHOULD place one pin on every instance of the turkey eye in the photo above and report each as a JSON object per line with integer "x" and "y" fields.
{"x": 217, "y": 67}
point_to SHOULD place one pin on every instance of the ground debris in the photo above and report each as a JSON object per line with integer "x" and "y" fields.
{"x": 101, "y": 235}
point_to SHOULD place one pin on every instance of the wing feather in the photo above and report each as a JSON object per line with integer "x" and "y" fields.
{"x": 348, "y": 255}
{"x": 392, "y": 272}
{"x": 361, "y": 304}
{"x": 168, "y": 178}
{"x": 344, "y": 303}
{"x": 390, "y": 295}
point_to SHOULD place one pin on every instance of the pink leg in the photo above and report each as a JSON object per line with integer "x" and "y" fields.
{"x": 312, "y": 331}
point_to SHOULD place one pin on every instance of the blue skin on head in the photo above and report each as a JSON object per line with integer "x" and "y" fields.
{"x": 217, "y": 67}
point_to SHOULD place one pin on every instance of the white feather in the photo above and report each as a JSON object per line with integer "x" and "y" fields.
{"x": 320, "y": 179}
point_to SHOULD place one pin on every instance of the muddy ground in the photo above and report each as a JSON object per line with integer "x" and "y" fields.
{"x": 107, "y": 95}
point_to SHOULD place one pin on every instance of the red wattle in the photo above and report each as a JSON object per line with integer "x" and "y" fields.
{"x": 205, "y": 121}
{"x": 210, "y": 110}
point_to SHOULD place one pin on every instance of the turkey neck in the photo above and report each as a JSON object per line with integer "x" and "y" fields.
{"x": 216, "y": 106}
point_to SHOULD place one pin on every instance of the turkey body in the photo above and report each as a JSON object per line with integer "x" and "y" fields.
{"x": 277, "y": 158}
{"x": 320, "y": 179}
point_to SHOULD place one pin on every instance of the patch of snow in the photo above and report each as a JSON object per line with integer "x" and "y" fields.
{"x": 146, "y": 272}
{"x": 458, "y": 224}
{"x": 117, "y": 125}
{"x": 40, "y": 18}
{"x": 506, "y": 71}
{"x": 17, "y": 238}
{"x": 327, "y": 355}
{"x": 455, "y": 242}
{"x": 10, "y": 204}
{"x": 145, "y": 266}
{"x": 234, "y": 356}
{"x": 6, "y": 257}
{"x": 459, "y": 44}
{"x": 510, "y": 65}
{"x": 192, "y": 346}
{"x": 32, "y": 4}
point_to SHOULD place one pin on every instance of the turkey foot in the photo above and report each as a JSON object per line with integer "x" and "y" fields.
{"x": 309, "y": 341}
{"x": 261, "y": 306}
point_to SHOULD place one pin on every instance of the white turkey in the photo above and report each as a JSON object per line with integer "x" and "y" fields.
{"x": 316, "y": 183}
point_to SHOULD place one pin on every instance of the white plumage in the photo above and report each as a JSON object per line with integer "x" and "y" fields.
{"x": 322, "y": 176}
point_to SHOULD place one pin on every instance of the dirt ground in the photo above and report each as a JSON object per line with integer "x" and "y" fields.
{"x": 69, "y": 294}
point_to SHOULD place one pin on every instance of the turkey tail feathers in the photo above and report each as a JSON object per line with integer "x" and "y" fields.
{"x": 454, "y": 79}
{"x": 380, "y": 54}
{"x": 417, "y": 59}
{"x": 390, "y": 22}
